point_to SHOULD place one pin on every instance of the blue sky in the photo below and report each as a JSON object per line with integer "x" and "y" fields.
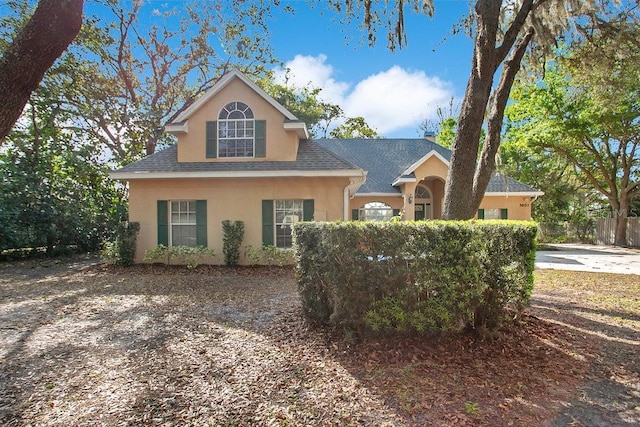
{"x": 395, "y": 91}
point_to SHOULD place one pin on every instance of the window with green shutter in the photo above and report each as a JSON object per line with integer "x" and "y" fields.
{"x": 494, "y": 213}
{"x": 163, "y": 223}
{"x": 182, "y": 222}
{"x": 278, "y": 217}
{"x": 212, "y": 144}
{"x": 267, "y": 223}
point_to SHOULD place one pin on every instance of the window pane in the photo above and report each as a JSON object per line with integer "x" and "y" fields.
{"x": 376, "y": 211}
{"x": 492, "y": 214}
{"x": 287, "y": 213}
{"x": 183, "y": 235}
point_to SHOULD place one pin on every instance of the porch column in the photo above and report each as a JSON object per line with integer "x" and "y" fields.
{"x": 408, "y": 190}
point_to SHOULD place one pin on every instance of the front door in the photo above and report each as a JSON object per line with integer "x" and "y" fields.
{"x": 422, "y": 211}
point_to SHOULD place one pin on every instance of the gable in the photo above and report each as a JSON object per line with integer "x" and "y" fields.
{"x": 280, "y": 127}
{"x": 389, "y": 163}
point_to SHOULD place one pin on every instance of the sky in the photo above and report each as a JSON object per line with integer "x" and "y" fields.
{"x": 393, "y": 91}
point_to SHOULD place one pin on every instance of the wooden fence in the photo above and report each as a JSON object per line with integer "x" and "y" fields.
{"x": 606, "y": 231}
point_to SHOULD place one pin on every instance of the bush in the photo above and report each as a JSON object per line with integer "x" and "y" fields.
{"x": 122, "y": 250}
{"x": 268, "y": 255}
{"x": 185, "y": 255}
{"x": 233, "y": 233}
{"x": 425, "y": 277}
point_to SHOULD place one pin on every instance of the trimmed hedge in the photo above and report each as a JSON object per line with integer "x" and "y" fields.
{"x": 425, "y": 277}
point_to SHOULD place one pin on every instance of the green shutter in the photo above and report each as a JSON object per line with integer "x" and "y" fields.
{"x": 355, "y": 214}
{"x": 307, "y": 210}
{"x": 480, "y": 213}
{"x": 201, "y": 223}
{"x": 268, "y": 224}
{"x": 261, "y": 138}
{"x": 212, "y": 140}
{"x": 504, "y": 214}
{"x": 163, "y": 223}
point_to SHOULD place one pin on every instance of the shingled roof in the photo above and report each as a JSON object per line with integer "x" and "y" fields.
{"x": 311, "y": 158}
{"x": 383, "y": 160}
{"x": 386, "y": 161}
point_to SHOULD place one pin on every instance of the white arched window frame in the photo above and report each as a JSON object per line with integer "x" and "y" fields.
{"x": 423, "y": 193}
{"x": 376, "y": 211}
{"x": 236, "y": 131}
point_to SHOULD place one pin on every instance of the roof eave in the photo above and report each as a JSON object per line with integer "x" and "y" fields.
{"x": 299, "y": 127}
{"x": 174, "y": 128}
{"x": 127, "y": 176}
{"x": 514, "y": 193}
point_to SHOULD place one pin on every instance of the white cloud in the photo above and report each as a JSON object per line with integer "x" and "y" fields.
{"x": 314, "y": 71}
{"x": 394, "y": 101}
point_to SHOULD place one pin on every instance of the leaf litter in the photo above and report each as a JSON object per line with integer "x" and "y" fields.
{"x": 92, "y": 344}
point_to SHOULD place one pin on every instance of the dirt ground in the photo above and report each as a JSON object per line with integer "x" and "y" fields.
{"x": 84, "y": 344}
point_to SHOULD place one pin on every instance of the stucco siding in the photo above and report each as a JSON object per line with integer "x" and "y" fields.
{"x": 518, "y": 207}
{"x": 281, "y": 145}
{"x": 232, "y": 199}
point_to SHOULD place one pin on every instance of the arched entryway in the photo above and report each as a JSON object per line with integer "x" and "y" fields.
{"x": 422, "y": 203}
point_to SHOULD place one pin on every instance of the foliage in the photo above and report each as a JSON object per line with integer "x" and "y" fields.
{"x": 354, "y": 127}
{"x": 53, "y": 189}
{"x": 420, "y": 277}
{"x": 503, "y": 33}
{"x": 122, "y": 250}
{"x": 32, "y": 51}
{"x": 180, "y": 254}
{"x": 305, "y": 103}
{"x": 233, "y": 234}
{"x": 586, "y": 121}
{"x": 268, "y": 255}
{"x": 276, "y": 256}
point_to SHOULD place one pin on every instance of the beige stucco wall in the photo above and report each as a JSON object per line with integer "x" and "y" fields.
{"x": 519, "y": 207}
{"x": 281, "y": 145}
{"x": 232, "y": 199}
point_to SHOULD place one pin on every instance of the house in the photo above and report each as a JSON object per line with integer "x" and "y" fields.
{"x": 240, "y": 155}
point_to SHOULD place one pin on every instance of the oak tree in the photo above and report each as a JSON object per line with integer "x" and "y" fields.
{"x": 503, "y": 31}
{"x": 36, "y": 46}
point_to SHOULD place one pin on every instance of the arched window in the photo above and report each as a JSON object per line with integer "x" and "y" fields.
{"x": 376, "y": 211}
{"x": 422, "y": 192}
{"x": 236, "y": 136}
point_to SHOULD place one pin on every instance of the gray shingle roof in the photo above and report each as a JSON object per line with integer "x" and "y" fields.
{"x": 311, "y": 157}
{"x": 384, "y": 159}
{"x": 387, "y": 159}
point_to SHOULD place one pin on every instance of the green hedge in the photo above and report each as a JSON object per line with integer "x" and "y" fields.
{"x": 426, "y": 277}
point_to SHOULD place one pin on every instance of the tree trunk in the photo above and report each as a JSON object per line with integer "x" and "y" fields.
{"x": 621, "y": 214}
{"x": 53, "y": 26}
{"x": 463, "y": 189}
{"x": 459, "y": 183}
{"x": 487, "y": 163}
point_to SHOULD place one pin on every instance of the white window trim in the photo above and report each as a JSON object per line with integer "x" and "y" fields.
{"x": 172, "y": 224}
{"x": 236, "y": 138}
{"x": 288, "y": 214}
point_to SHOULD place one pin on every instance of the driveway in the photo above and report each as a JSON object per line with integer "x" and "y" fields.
{"x": 580, "y": 257}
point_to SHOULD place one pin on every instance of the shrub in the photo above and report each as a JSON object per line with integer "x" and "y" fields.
{"x": 420, "y": 277}
{"x": 122, "y": 250}
{"x": 252, "y": 255}
{"x": 187, "y": 255}
{"x": 233, "y": 233}
{"x": 268, "y": 255}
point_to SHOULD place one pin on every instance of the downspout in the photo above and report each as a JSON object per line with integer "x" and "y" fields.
{"x": 350, "y": 190}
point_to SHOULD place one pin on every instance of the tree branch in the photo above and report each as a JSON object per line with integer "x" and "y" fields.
{"x": 53, "y": 26}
